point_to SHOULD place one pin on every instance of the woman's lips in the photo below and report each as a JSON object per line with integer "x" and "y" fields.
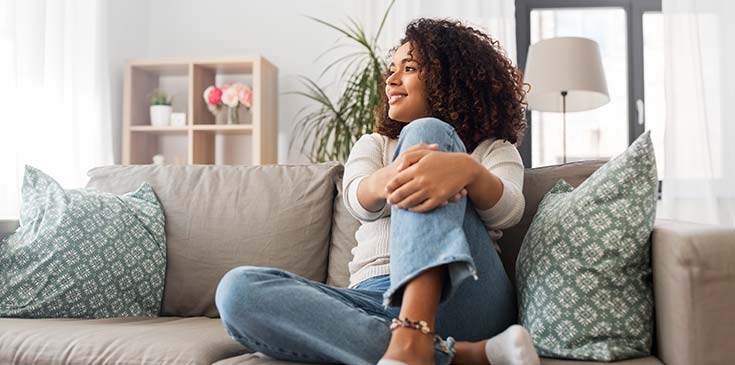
{"x": 396, "y": 98}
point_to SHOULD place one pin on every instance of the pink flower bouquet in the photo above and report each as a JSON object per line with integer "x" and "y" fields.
{"x": 232, "y": 95}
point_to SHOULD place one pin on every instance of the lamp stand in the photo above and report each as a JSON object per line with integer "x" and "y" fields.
{"x": 564, "y": 118}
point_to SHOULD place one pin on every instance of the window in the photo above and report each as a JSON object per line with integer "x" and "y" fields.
{"x": 628, "y": 32}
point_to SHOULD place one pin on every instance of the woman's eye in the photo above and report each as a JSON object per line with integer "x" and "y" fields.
{"x": 409, "y": 67}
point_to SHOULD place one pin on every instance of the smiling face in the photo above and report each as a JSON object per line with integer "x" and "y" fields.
{"x": 407, "y": 97}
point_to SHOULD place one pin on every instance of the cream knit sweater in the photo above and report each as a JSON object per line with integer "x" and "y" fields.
{"x": 371, "y": 256}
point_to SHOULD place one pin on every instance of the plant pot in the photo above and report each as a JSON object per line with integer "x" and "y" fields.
{"x": 160, "y": 115}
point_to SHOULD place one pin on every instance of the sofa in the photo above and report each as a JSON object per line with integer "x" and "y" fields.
{"x": 292, "y": 217}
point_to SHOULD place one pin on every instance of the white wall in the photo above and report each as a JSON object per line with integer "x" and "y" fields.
{"x": 127, "y": 35}
{"x": 275, "y": 29}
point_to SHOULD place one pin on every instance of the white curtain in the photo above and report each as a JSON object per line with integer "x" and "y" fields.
{"x": 699, "y": 139}
{"x": 54, "y": 93}
{"x": 495, "y": 17}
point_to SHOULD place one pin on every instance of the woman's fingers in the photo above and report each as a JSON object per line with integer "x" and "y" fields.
{"x": 459, "y": 195}
{"x": 409, "y": 157}
{"x": 412, "y": 200}
{"x": 402, "y": 192}
{"x": 426, "y": 205}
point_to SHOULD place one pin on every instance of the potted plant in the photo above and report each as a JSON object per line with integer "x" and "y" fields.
{"x": 330, "y": 128}
{"x": 160, "y": 109}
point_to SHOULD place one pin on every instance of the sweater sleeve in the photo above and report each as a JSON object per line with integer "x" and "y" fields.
{"x": 365, "y": 158}
{"x": 504, "y": 161}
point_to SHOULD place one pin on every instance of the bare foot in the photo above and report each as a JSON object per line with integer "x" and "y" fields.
{"x": 411, "y": 346}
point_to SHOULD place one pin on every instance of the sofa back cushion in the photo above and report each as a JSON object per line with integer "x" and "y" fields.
{"x": 536, "y": 182}
{"x": 344, "y": 226}
{"x": 222, "y": 217}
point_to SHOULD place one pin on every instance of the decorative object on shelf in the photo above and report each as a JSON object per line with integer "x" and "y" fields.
{"x": 230, "y": 95}
{"x": 178, "y": 119}
{"x": 566, "y": 75}
{"x": 158, "y": 159}
{"x": 160, "y": 109}
{"x": 334, "y": 127}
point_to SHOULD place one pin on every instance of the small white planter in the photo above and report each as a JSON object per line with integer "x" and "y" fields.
{"x": 160, "y": 115}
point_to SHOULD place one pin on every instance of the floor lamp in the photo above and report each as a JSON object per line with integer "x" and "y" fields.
{"x": 566, "y": 75}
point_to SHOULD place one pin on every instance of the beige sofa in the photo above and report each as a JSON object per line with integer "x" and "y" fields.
{"x": 292, "y": 217}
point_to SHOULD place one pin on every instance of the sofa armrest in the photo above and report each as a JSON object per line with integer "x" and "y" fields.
{"x": 694, "y": 288}
{"x": 7, "y": 227}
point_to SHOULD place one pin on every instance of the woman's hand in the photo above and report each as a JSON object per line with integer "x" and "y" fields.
{"x": 429, "y": 182}
{"x": 407, "y": 157}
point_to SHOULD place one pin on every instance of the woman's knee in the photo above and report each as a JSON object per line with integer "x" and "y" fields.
{"x": 428, "y": 125}
{"x": 432, "y": 130}
{"x": 234, "y": 293}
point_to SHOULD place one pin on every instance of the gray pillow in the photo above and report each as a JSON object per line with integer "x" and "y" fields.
{"x": 83, "y": 253}
{"x": 219, "y": 217}
{"x": 583, "y": 273}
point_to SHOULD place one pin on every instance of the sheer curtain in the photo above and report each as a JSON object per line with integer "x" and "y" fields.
{"x": 496, "y": 17}
{"x": 699, "y": 138}
{"x": 54, "y": 93}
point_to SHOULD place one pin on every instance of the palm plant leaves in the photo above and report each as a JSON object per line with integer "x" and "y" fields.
{"x": 327, "y": 128}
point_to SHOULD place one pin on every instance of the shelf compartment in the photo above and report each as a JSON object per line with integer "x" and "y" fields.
{"x": 217, "y": 147}
{"x": 144, "y": 79}
{"x": 206, "y": 74}
{"x": 173, "y": 147}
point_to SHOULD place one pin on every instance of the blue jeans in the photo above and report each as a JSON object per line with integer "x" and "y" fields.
{"x": 289, "y": 317}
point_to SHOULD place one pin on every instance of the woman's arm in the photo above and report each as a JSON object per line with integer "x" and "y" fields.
{"x": 485, "y": 188}
{"x": 507, "y": 204}
{"x": 368, "y": 191}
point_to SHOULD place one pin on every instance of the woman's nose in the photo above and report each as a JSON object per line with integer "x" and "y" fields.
{"x": 392, "y": 79}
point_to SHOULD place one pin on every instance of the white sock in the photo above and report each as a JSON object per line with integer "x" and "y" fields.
{"x": 511, "y": 347}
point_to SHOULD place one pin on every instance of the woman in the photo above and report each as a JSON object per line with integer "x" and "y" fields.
{"x": 413, "y": 184}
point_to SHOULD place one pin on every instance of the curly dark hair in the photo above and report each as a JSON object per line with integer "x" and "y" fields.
{"x": 470, "y": 82}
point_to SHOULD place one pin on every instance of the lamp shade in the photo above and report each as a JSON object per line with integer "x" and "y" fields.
{"x": 570, "y": 64}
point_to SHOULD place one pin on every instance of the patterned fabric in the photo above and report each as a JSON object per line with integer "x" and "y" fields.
{"x": 83, "y": 253}
{"x": 583, "y": 271}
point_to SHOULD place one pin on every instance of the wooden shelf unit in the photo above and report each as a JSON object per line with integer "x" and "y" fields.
{"x": 198, "y": 141}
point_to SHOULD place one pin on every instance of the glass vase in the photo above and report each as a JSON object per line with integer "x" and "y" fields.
{"x": 232, "y": 116}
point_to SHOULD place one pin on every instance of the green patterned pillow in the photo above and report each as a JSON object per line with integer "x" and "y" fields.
{"x": 83, "y": 253}
{"x": 583, "y": 272}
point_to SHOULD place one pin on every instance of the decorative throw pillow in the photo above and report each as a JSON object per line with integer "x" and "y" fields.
{"x": 83, "y": 253}
{"x": 583, "y": 272}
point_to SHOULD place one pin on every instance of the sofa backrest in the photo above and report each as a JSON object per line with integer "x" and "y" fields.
{"x": 342, "y": 241}
{"x": 222, "y": 217}
{"x": 536, "y": 182}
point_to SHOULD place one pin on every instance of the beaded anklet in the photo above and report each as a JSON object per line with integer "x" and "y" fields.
{"x": 420, "y": 326}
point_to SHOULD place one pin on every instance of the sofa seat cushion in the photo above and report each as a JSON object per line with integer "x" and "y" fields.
{"x": 648, "y": 360}
{"x": 131, "y": 340}
{"x": 258, "y": 358}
